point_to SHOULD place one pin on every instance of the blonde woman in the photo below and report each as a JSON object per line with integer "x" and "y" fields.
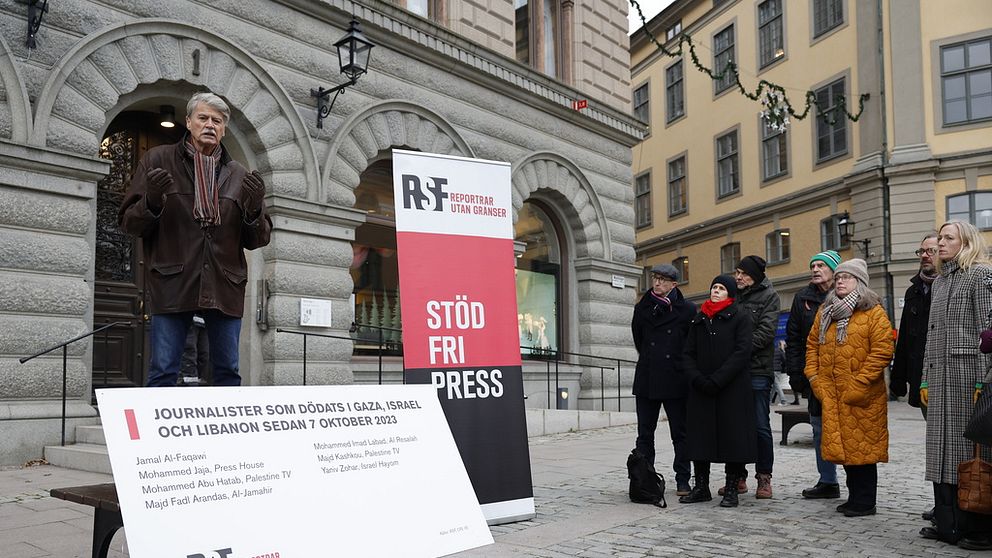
{"x": 954, "y": 370}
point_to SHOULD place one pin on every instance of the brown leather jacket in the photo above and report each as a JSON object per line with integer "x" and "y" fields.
{"x": 188, "y": 267}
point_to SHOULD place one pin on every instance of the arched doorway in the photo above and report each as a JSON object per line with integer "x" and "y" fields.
{"x": 119, "y": 355}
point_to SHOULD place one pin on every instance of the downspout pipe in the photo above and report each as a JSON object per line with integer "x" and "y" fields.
{"x": 886, "y": 205}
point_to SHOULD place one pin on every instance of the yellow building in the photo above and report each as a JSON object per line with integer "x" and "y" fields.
{"x": 712, "y": 182}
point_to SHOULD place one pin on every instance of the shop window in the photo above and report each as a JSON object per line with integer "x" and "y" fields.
{"x": 966, "y": 81}
{"x": 973, "y": 207}
{"x": 777, "y": 246}
{"x": 539, "y": 279}
{"x": 730, "y": 254}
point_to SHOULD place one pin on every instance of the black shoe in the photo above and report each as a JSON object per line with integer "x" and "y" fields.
{"x": 699, "y": 493}
{"x": 796, "y": 402}
{"x": 859, "y": 512}
{"x": 975, "y": 543}
{"x": 822, "y": 490}
{"x": 730, "y": 499}
{"x": 929, "y": 533}
{"x": 928, "y": 515}
{"x": 682, "y": 488}
{"x": 841, "y": 508}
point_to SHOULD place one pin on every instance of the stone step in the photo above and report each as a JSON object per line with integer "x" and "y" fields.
{"x": 81, "y": 457}
{"x": 90, "y": 435}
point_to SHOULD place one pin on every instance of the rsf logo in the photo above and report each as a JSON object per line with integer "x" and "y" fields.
{"x": 413, "y": 192}
{"x": 220, "y": 553}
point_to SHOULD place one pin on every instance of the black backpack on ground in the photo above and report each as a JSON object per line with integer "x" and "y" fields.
{"x": 646, "y": 485}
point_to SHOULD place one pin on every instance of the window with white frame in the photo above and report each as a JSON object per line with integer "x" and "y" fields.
{"x": 673, "y": 31}
{"x": 777, "y": 246}
{"x": 774, "y": 151}
{"x": 830, "y": 238}
{"x": 682, "y": 265}
{"x": 642, "y": 200}
{"x": 771, "y": 37}
{"x": 972, "y": 207}
{"x": 674, "y": 92}
{"x": 642, "y": 104}
{"x": 727, "y": 165}
{"x": 730, "y": 254}
{"x": 831, "y": 122}
{"x": 723, "y": 54}
{"x": 827, "y": 14}
{"x": 966, "y": 81}
{"x": 676, "y": 187}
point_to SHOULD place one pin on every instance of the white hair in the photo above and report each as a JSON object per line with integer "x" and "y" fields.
{"x": 212, "y": 101}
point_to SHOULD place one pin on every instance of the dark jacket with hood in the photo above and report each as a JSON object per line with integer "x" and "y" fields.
{"x": 720, "y": 408}
{"x": 805, "y": 305}
{"x": 762, "y": 303}
{"x": 189, "y": 267}
{"x": 907, "y": 367}
{"x": 659, "y": 336}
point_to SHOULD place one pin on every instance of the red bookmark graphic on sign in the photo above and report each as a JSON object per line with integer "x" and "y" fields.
{"x": 132, "y": 424}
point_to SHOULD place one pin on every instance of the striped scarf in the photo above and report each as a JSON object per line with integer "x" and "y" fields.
{"x": 838, "y": 310}
{"x": 206, "y": 205}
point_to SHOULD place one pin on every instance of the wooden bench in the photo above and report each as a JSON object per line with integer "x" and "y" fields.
{"x": 107, "y": 511}
{"x": 791, "y": 417}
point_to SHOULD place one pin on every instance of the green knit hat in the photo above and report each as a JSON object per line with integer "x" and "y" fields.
{"x": 829, "y": 257}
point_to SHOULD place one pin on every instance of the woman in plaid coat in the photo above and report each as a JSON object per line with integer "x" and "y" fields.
{"x": 953, "y": 371}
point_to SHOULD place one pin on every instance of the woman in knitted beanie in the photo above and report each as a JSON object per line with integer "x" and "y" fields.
{"x": 847, "y": 351}
{"x": 720, "y": 407}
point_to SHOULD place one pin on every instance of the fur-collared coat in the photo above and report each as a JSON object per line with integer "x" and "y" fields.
{"x": 848, "y": 378}
{"x": 952, "y": 364}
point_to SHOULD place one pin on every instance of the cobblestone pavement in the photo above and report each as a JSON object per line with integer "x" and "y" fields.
{"x": 580, "y": 488}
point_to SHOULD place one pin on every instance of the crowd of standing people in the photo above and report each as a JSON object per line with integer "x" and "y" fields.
{"x": 713, "y": 368}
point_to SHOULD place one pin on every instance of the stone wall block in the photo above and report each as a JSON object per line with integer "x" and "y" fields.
{"x": 220, "y": 69}
{"x": 289, "y": 346}
{"x": 338, "y": 190}
{"x": 427, "y": 134}
{"x": 167, "y": 52}
{"x": 35, "y": 210}
{"x": 623, "y": 252}
{"x": 380, "y": 132}
{"x": 578, "y": 197}
{"x": 6, "y": 120}
{"x": 363, "y": 137}
{"x": 442, "y": 144}
{"x": 262, "y": 108}
{"x": 412, "y": 128}
{"x": 23, "y": 293}
{"x": 277, "y": 131}
{"x": 93, "y": 85}
{"x": 34, "y": 251}
{"x": 618, "y": 211}
{"x": 188, "y": 46}
{"x": 42, "y": 377}
{"x": 284, "y": 311}
{"x": 69, "y": 137}
{"x": 111, "y": 62}
{"x": 606, "y": 312}
{"x": 352, "y": 154}
{"x": 22, "y": 336}
{"x": 310, "y": 281}
{"x": 605, "y": 293}
{"x": 397, "y": 129}
{"x": 605, "y": 334}
{"x": 289, "y": 246}
{"x": 621, "y": 233}
{"x": 293, "y": 184}
{"x": 138, "y": 51}
{"x": 242, "y": 87}
{"x": 285, "y": 157}
{"x": 75, "y": 108}
{"x": 317, "y": 374}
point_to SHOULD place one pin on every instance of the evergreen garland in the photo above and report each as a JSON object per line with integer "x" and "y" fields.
{"x": 778, "y": 107}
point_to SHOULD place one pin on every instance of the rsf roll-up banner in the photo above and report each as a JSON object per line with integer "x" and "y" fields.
{"x": 454, "y": 242}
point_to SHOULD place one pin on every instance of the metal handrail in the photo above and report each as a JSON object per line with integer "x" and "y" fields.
{"x": 306, "y": 334}
{"x": 65, "y": 358}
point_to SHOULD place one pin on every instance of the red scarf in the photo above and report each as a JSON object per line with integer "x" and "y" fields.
{"x": 711, "y": 308}
{"x": 206, "y": 202}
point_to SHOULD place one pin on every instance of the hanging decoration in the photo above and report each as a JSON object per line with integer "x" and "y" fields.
{"x": 778, "y": 108}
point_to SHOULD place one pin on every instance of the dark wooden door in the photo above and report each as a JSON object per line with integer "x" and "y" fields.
{"x": 120, "y": 353}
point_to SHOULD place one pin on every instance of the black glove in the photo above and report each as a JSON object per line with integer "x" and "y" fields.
{"x": 706, "y": 385}
{"x": 252, "y": 193}
{"x": 159, "y": 182}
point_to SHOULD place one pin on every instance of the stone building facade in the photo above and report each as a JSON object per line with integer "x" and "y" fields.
{"x": 78, "y": 109}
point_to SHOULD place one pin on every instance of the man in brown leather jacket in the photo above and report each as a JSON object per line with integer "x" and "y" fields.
{"x": 196, "y": 211}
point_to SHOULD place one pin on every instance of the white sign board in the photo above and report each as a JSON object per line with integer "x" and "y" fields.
{"x": 619, "y": 282}
{"x": 315, "y": 312}
{"x": 293, "y": 472}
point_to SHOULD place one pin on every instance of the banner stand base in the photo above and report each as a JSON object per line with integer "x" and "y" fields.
{"x": 510, "y": 511}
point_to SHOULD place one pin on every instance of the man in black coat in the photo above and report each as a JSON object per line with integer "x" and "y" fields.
{"x": 907, "y": 367}
{"x": 805, "y": 305}
{"x": 661, "y": 320}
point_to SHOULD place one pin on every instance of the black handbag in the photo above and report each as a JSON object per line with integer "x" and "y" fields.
{"x": 979, "y": 428}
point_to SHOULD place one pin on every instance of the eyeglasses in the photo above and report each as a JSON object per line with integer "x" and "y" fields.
{"x": 919, "y": 253}
{"x": 661, "y": 278}
{"x": 843, "y": 277}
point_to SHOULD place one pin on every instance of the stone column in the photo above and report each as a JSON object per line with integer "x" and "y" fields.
{"x": 567, "y": 40}
{"x": 47, "y": 212}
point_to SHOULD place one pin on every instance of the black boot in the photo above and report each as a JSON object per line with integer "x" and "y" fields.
{"x": 730, "y": 492}
{"x": 700, "y": 492}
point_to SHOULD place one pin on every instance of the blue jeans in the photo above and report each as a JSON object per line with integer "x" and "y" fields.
{"x": 168, "y": 338}
{"x": 827, "y": 470}
{"x": 761, "y": 388}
